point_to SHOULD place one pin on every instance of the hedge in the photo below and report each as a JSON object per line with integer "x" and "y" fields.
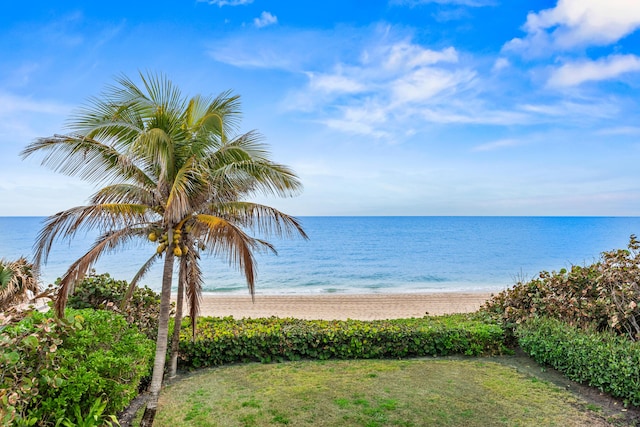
{"x": 227, "y": 340}
{"x": 599, "y": 359}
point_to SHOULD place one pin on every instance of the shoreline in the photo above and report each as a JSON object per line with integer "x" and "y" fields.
{"x": 342, "y": 306}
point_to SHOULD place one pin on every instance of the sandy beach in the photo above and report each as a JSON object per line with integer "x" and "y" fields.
{"x": 341, "y": 307}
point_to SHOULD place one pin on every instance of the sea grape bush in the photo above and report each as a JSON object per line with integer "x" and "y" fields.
{"x": 571, "y": 295}
{"x": 28, "y": 362}
{"x": 604, "y": 295}
{"x": 227, "y": 340}
{"x": 54, "y": 369}
{"x": 102, "y": 292}
{"x": 619, "y": 286}
{"x": 600, "y": 359}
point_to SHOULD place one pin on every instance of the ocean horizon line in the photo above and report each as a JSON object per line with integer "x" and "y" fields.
{"x": 370, "y": 254}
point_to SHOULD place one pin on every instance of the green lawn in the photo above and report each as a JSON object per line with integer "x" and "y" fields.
{"x": 370, "y": 393}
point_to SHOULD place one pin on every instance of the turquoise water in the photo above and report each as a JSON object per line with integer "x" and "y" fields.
{"x": 374, "y": 254}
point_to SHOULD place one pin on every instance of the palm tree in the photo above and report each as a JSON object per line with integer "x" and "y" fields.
{"x": 172, "y": 170}
{"x": 18, "y": 282}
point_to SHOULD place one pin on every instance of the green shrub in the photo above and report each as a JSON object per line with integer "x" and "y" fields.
{"x": 227, "y": 340}
{"x": 94, "y": 418}
{"x": 52, "y": 367}
{"x": 599, "y": 359}
{"x": 102, "y": 292}
{"x": 604, "y": 295}
{"x": 571, "y": 295}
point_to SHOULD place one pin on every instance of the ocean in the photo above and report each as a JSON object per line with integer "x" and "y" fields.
{"x": 372, "y": 254}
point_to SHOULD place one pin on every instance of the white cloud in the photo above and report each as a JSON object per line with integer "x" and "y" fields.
{"x": 63, "y": 32}
{"x": 367, "y": 118}
{"x": 388, "y": 83}
{"x": 358, "y": 127}
{"x": 576, "y": 73}
{"x": 265, "y": 19}
{"x": 472, "y": 3}
{"x": 381, "y": 84}
{"x": 23, "y": 118}
{"x": 501, "y": 64}
{"x": 483, "y": 115}
{"x": 577, "y": 23}
{"x": 495, "y": 145}
{"x": 587, "y": 110}
{"x": 239, "y": 53}
{"x": 17, "y": 104}
{"x": 334, "y": 83}
{"x": 425, "y": 83}
{"x": 621, "y": 130}
{"x": 407, "y": 56}
{"x": 221, "y": 3}
{"x": 454, "y": 14}
{"x": 282, "y": 49}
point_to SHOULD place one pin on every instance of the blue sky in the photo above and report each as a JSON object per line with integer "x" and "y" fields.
{"x": 398, "y": 107}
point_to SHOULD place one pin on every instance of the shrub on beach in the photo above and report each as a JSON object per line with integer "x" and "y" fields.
{"x": 570, "y": 295}
{"x": 604, "y": 295}
{"x": 102, "y": 292}
{"x": 54, "y": 369}
{"x": 227, "y": 340}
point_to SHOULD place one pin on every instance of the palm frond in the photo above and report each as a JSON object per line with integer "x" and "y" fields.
{"x": 223, "y": 238}
{"x": 193, "y": 281}
{"x": 269, "y": 178}
{"x": 66, "y": 224}
{"x": 202, "y": 120}
{"x": 186, "y": 183}
{"x": 156, "y": 146}
{"x": 139, "y": 276}
{"x": 263, "y": 219}
{"x": 77, "y": 271}
{"x": 106, "y": 119}
{"x": 125, "y": 193}
{"x": 244, "y": 163}
{"x": 218, "y": 116}
{"x": 162, "y": 92}
{"x": 87, "y": 158}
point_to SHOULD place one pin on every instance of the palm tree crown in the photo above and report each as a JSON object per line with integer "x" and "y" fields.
{"x": 18, "y": 282}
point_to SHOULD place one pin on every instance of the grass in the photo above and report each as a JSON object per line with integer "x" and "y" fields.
{"x": 370, "y": 393}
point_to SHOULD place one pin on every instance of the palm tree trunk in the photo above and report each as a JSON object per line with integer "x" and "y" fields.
{"x": 175, "y": 339}
{"x": 161, "y": 341}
